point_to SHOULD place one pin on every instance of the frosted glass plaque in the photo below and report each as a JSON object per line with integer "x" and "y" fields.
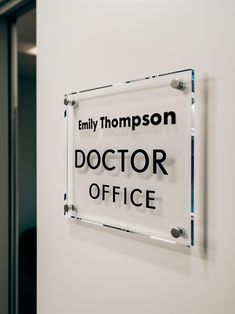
{"x": 129, "y": 156}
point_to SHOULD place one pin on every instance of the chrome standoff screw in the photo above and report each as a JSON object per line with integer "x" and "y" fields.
{"x": 177, "y": 232}
{"x": 177, "y": 83}
{"x": 67, "y": 208}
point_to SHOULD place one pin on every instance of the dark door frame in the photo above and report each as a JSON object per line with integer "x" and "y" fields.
{"x": 4, "y": 168}
{"x": 10, "y": 10}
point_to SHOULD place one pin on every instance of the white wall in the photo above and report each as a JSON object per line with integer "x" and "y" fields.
{"x": 83, "y": 44}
